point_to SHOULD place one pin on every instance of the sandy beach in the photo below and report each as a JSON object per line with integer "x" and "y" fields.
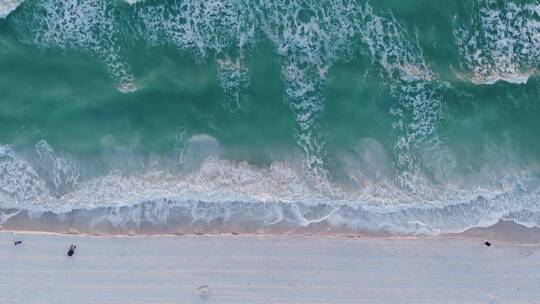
{"x": 265, "y": 269}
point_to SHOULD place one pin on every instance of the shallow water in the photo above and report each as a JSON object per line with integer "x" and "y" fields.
{"x": 269, "y": 115}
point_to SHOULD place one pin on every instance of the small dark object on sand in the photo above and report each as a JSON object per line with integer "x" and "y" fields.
{"x": 17, "y": 243}
{"x": 487, "y": 244}
{"x": 71, "y": 250}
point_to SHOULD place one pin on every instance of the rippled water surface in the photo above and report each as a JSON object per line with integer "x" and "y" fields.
{"x": 406, "y": 117}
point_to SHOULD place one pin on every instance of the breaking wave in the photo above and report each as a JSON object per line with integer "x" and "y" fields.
{"x": 224, "y": 29}
{"x": 308, "y": 37}
{"x": 414, "y": 187}
{"x": 500, "y": 41}
{"x": 420, "y": 107}
{"x": 8, "y": 6}
{"x": 89, "y": 26}
{"x": 44, "y": 190}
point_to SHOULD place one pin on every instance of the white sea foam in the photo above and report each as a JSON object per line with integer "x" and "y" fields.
{"x": 220, "y": 194}
{"x": 8, "y": 6}
{"x": 59, "y": 172}
{"x": 420, "y": 106}
{"x": 309, "y": 37}
{"x": 5, "y": 216}
{"x": 233, "y": 76}
{"x": 500, "y": 42}
{"x": 198, "y": 26}
{"x": 220, "y": 27}
{"x": 131, "y": 2}
{"x": 18, "y": 179}
{"x": 316, "y": 33}
{"x": 459, "y": 212}
{"x": 90, "y": 26}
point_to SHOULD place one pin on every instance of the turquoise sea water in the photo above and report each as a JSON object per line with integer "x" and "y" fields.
{"x": 408, "y": 117}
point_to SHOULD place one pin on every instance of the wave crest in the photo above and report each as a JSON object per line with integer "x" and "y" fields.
{"x": 500, "y": 41}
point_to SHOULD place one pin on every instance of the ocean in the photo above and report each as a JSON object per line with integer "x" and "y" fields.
{"x": 269, "y": 116}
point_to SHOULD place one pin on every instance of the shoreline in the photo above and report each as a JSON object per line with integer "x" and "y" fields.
{"x": 503, "y": 231}
{"x": 264, "y": 269}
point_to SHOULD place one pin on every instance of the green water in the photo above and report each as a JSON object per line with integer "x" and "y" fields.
{"x": 446, "y": 92}
{"x": 69, "y": 100}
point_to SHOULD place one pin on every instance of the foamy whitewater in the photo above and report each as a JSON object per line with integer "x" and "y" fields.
{"x": 268, "y": 116}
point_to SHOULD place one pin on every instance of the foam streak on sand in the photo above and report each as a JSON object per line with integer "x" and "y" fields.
{"x": 248, "y": 269}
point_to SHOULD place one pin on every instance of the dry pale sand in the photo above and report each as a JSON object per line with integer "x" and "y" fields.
{"x": 264, "y": 269}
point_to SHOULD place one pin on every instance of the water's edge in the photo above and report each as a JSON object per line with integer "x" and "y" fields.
{"x": 173, "y": 218}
